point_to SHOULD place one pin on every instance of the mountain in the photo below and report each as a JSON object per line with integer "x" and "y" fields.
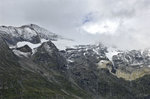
{"x": 31, "y": 33}
{"x": 32, "y": 67}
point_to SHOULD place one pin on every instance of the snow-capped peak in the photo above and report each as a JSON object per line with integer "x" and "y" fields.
{"x": 43, "y": 33}
{"x": 29, "y": 33}
{"x": 23, "y": 32}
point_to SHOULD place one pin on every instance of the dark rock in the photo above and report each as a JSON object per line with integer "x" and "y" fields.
{"x": 25, "y": 48}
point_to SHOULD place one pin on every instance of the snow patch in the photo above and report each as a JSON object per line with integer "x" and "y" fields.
{"x": 96, "y": 51}
{"x": 84, "y": 53}
{"x": 31, "y": 45}
{"x": 12, "y": 46}
{"x": 111, "y": 53}
{"x": 148, "y": 52}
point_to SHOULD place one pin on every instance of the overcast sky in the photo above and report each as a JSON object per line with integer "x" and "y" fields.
{"x": 122, "y": 23}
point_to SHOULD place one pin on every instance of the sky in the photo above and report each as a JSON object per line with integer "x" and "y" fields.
{"x": 121, "y": 23}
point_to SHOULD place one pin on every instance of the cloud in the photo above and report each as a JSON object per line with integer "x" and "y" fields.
{"x": 105, "y": 27}
{"x": 124, "y": 23}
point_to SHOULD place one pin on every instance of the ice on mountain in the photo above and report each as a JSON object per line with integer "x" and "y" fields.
{"x": 111, "y": 52}
{"x": 31, "y": 45}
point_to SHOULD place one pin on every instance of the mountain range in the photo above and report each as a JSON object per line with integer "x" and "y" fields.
{"x": 33, "y": 67}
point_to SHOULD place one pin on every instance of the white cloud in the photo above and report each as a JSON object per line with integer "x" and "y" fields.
{"x": 105, "y": 27}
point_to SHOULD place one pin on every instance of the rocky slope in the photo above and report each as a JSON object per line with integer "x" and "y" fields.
{"x": 132, "y": 64}
{"x": 32, "y": 67}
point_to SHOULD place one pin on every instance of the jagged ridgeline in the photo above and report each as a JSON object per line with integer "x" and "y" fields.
{"x": 32, "y": 67}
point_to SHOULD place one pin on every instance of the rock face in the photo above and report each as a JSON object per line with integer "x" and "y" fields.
{"x": 48, "y": 55}
{"x": 25, "y": 48}
{"x": 31, "y": 68}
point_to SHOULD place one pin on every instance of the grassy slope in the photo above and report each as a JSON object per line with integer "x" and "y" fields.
{"x": 19, "y": 83}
